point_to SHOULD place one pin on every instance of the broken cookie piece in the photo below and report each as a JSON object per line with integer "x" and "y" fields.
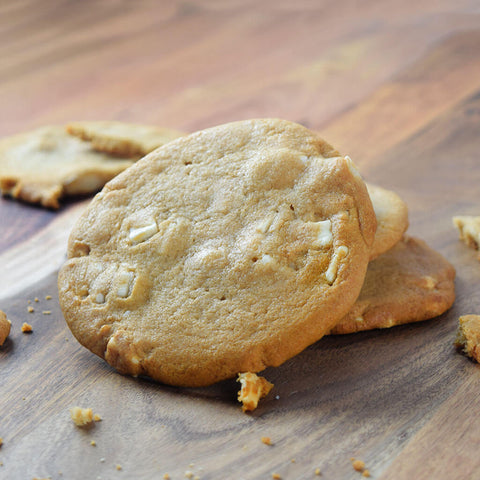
{"x": 253, "y": 389}
{"x": 123, "y": 139}
{"x": 5, "y": 325}
{"x": 469, "y": 230}
{"x": 47, "y": 164}
{"x": 468, "y": 336}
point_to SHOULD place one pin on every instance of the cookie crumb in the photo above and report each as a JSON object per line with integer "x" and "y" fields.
{"x": 317, "y": 472}
{"x": 26, "y": 328}
{"x": 166, "y": 476}
{"x": 97, "y": 418}
{"x": 1, "y": 441}
{"x": 365, "y": 473}
{"x": 81, "y": 416}
{"x": 276, "y": 476}
{"x": 30, "y": 309}
{"x": 292, "y": 460}
{"x": 358, "y": 465}
{"x": 266, "y": 440}
{"x": 189, "y": 474}
{"x": 36, "y": 299}
{"x": 93, "y": 443}
{"x": 47, "y": 312}
{"x": 252, "y": 390}
{"x": 118, "y": 467}
{"x": 48, "y": 297}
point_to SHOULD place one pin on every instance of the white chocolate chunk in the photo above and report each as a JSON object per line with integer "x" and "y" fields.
{"x": 331, "y": 273}
{"x": 429, "y": 282}
{"x": 264, "y": 225}
{"x": 125, "y": 280}
{"x": 323, "y": 230}
{"x": 140, "y": 234}
{"x": 100, "y": 298}
{"x": 352, "y": 167}
{"x": 266, "y": 259}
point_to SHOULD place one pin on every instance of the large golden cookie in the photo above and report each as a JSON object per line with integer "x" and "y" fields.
{"x": 225, "y": 251}
{"x": 47, "y": 164}
{"x": 123, "y": 139}
{"x": 409, "y": 283}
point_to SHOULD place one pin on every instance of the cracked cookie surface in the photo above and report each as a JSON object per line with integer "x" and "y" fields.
{"x": 229, "y": 250}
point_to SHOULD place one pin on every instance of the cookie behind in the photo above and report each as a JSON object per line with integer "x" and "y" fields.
{"x": 409, "y": 283}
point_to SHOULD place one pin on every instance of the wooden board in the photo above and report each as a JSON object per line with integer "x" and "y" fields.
{"x": 394, "y": 84}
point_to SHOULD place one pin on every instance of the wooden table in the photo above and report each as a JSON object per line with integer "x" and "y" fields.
{"x": 394, "y": 84}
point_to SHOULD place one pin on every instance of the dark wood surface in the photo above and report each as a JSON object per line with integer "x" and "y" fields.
{"x": 394, "y": 84}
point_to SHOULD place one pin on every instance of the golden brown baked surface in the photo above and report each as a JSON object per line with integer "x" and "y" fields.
{"x": 123, "y": 139}
{"x": 392, "y": 219}
{"x": 5, "y": 325}
{"x": 225, "y": 251}
{"x": 409, "y": 283}
{"x": 46, "y": 164}
{"x": 468, "y": 336}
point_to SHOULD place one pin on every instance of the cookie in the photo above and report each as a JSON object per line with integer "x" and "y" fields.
{"x": 409, "y": 283}
{"x": 226, "y": 251}
{"x": 4, "y": 327}
{"x": 253, "y": 389}
{"x": 46, "y": 164}
{"x": 469, "y": 230}
{"x": 467, "y": 340}
{"x": 392, "y": 219}
{"x": 123, "y": 139}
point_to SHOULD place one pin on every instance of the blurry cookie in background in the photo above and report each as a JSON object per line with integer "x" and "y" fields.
{"x": 47, "y": 164}
{"x": 122, "y": 139}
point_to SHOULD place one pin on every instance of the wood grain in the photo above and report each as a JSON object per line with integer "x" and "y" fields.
{"x": 394, "y": 84}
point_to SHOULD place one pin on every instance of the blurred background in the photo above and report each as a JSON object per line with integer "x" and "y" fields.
{"x": 365, "y": 74}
